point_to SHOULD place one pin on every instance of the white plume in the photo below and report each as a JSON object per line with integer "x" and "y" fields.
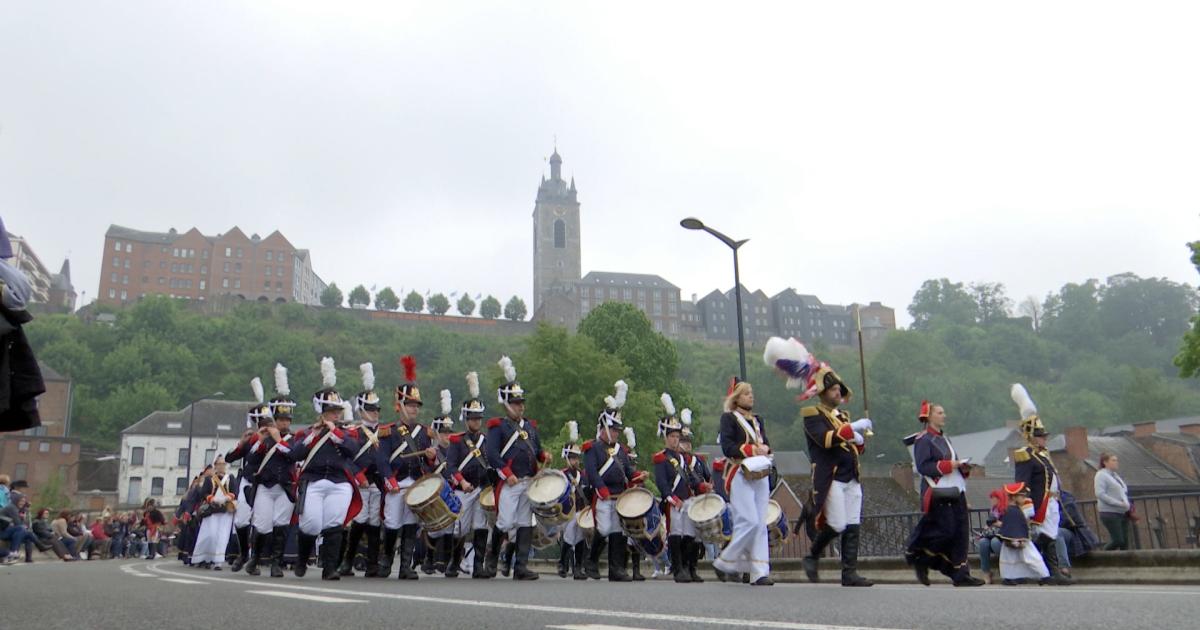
{"x": 256, "y": 387}
{"x": 281, "y": 381}
{"x": 668, "y": 404}
{"x": 630, "y": 438}
{"x": 510, "y": 372}
{"x": 790, "y": 358}
{"x": 622, "y": 392}
{"x": 347, "y": 411}
{"x": 473, "y": 384}
{"x": 572, "y": 431}
{"x": 1024, "y": 402}
{"x": 368, "y": 376}
{"x": 610, "y": 402}
{"x": 445, "y": 402}
{"x": 328, "y": 372}
{"x": 685, "y": 417}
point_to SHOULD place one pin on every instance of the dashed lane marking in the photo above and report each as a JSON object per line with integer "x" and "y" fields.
{"x": 181, "y": 581}
{"x": 596, "y": 626}
{"x": 309, "y": 598}
{"x": 674, "y": 619}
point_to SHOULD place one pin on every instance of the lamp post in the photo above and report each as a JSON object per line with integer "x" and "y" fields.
{"x": 692, "y": 223}
{"x": 191, "y": 424}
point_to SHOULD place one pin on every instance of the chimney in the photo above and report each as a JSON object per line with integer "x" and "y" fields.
{"x": 1190, "y": 429}
{"x": 1145, "y": 429}
{"x": 902, "y": 474}
{"x": 1077, "y": 442}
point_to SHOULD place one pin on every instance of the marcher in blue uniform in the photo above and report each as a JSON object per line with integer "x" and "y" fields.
{"x": 700, "y": 474}
{"x": 572, "y": 545}
{"x": 258, "y": 417}
{"x": 367, "y": 478}
{"x": 943, "y": 535}
{"x": 514, "y": 451}
{"x": 472, "y": 477}
{"x": 441, "y": 551}
{"x": 1036, "y": 470}
{"x": 676, "y": 485}
{"x": 327, "y": 498}
{"x": 610, "y": 471}
{"x": 274, "y": 490}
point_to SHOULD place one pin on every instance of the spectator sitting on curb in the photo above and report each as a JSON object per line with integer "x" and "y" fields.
{"x": 45, "y": 539}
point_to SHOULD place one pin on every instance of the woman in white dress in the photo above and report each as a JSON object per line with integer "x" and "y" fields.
{"x": 216, "y": 513}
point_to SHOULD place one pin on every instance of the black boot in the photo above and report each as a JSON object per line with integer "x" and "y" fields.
{"x": 617, "y": 550}
{"x": 493, "y": 553}
{"x": 304, "y": 549}
{"x": 521, "y": 555}
{"x": 243, "y": 539}
{"x": 455, "y": 553}
{"x": 595, "y": 549}
{"x": 506, "y": 559}
{"x": 635, "y": 555}
{"x": 479, "y": 558}
{"x": 850, "y": 576}
{"x": 262, "y": 551}
{"x": 427, "y": 554}
{"x": 564, "y": 558}
{"x": 408, "y": 548}
{"x": 692, "y": 550}
{"x": 1049, "y": 549}
{"x": 346, "y": 568}
{"x": 440, "y": 549}
{"x": 277, "y": 539}
{"x": 675, "y": 553}
{"x": 810, "y": 562}
{"x": 388, "y": 552}
{"x": 372, "y": 552}
{"x": 331, "y": 548}
{"x": 581, "y": 552}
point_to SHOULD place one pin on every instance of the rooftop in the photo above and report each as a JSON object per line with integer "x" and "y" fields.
{"x": 223, "y": 418}
{"x": 627, "y": 279}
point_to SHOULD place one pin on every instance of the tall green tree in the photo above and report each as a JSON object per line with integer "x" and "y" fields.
{"x": 387, "y": 300}
{"x": 359, "y": 296}
{"x": 489, "y": 308}
{"x": 1156, "y": 306}
{"x": 992, "y": 302}
{"x": 623, "y": 331}
{"x": 944, "y": 301}
{"x": 515, "y": 309}
{"x": 466, "y": 306}
{"x": 439, "y": 304}
{"x": 331, "y": 296}
{"x": 1072, "y": 316}
{"x": 414, "y": 303}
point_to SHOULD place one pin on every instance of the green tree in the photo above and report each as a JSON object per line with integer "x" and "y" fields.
{"x": 52, "y": 494}
{"x": 515, "y": 309}
{"x": 439, "y": 304}
{"x": 331, "y": 296}
{"x": 1147, "y": 396}
{"x": 1072, "y": 316}
{"x": 489, "y": 308}
{"x": 1152, "y": 305}
{"x": 466, "y": 306}
{"x": 623, "y": 331}
{"x": 992, "y": 301}
{"x": 359, "y": 296}
{"x": 413, "y": 302}
{"x": 942, "y": 300}
{"x": 387, "y": 300}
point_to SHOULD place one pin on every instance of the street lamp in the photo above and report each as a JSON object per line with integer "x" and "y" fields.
{"x": 192, "y": 423}
{"x": 692, "y": 223}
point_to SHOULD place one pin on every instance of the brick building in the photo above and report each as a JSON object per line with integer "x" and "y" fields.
{"x": 36, "y": 455}
{"x": 51, "y": 291}
{"x": 194, "y": 266}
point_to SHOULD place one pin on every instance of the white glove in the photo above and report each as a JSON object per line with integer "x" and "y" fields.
{"x": 858, "y": 438}
{"x": 862, "y": 425}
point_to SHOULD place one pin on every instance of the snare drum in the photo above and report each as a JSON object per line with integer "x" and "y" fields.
{"x": 757, "y": 467}
{"x": 551, "y": 497}
{"x": 640, "y": 516}
{"x": 487, "y": 503}
{"x": 777, "y": 527}
{"x": 707, "y": 513}
{"x": 434, "y": 503}
{"x": 586, "y": 521}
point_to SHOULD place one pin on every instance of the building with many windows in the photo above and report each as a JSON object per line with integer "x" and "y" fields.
{"x": 51, "y": 291}
{"x": 194, "y": 266}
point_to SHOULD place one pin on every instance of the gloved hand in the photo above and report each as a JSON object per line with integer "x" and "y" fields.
{"x": 858, "y": 438}
{"x": 863, "y": 425}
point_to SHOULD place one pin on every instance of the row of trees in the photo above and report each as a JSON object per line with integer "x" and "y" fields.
{"x": 437, "y": 304}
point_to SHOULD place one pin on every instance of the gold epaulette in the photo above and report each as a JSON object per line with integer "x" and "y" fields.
{"x": 1021, "y": 455}
{"x": 808, "y": 412}
{"x": 384, "y": 431}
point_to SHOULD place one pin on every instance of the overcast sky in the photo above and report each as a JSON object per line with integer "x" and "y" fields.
{"x": 862, "y": 147}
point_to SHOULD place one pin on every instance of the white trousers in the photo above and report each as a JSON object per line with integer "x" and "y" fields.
{"x": 272, "y": 508}
{"x": 748, "y": 550}
{"x": 607, "y": 519}
{"x": 396, "y": 512}
{"x": 471, "y": 517}
{"x": 571, "y": 534}
{"x": 372, "y": 499}
{"x": 241, "y": 517}
{"x": 325, "y": 505}
{"x": 681, "y": 525}
{"x": 513, "y": 511}
{"x": 213, "y": 538}
{"x": 1049, "y": 526}
{"x": 843, "y": 506}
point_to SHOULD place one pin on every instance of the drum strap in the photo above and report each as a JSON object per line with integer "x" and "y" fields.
{"x": 675, "y": 482}
{"x": 372, "y": 440}
{"x": 611, "y": 458}
{"x": 513, "y": 440}
{"x": 750, "y": 429}
{"x": 439, "y": 469}
{"x": 267, "y": 458}
{"x": 313, "y": 451}
{"x": 474, "y": 451}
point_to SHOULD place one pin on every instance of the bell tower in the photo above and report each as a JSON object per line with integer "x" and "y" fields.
{"x": 556, "y": 240}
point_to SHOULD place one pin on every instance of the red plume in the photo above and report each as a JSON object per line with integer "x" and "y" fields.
{"x": 733, "y": 382}
{"x": 925, "y": 411}
{"x": 410, "y": 367}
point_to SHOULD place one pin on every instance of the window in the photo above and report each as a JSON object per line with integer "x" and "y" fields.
{"x": 268, "y": 269}
{"x": 124, "y": 295}
{"x": 23, "y": 446}
{"x": 116, "y": 262}
{"x": 269, "y": 254}
{"x": 65, "y": 449}
{"x": 134, "y": 494}
{"x": 137, "y": 456}
{"x": 181, "y": 485}
{"x": 226, "y": 267}
{"x": 43, "y": 447}
{"x": 128, "y": 248}
{"x": 160, "y": 457}
{"x": 239, "y": 252}
{"x": 162, "y": 280}
{"x": 112, "y": 294}
{"x": 156, "y": 487}
{"x": 20, "y": 471}
{"x": 224, "y": 283}
{"x": 278, "y": 286}
{"x": 209, "y": 455}
{"x": 237, "y": 284}
{"x": 267, "y": 285}
{"x": 117, "y": 246}
{"x": 560, "y": 234}
{"x": 237, "y": 267}
{"x": 113, "y": 277}
{"x": 183, "y": 457}
{"x": 228, "y": 252}
{"x": 127, "y": 260}
{"x": 204, "y": 270}
{"x": 279, "y": 271}
{"x": 204, "y": 254}
{"x": 203, "y": 283}
{"x": 125, "y": 279}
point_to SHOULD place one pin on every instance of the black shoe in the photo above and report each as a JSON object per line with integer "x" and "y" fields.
{"x": 479, "y": 541}
{"x": 278, "y": 538}
{"x": 692, "y": 549}
{"x": 408, "y": 547}
{"x": 810, "y": 569}
{"x": 388, "y": 553}
{"x": 675, "y": 555}
{"x": 591, "y": 569}
{"x": 969, "y": 581}
{"x": 616, "y": 559}
{"x": 636, "y": 557}
{"x": 506, "y": 559}
{"x": 763, "y": 581}
{"x": 524, "y": 542}
{"x": 243, "y": 539}
{"x": 745, "y": 578}
{"x": 720, "y": 575}
{"x": 564, "y": 558}
{"x": 331, "y": 548}
{"x": 922, "y": 572}
{"x": 580, "y": 558}
{"x": 1011, "y": 582}
{"x": 850, "y": 576}
{"x": 304, "y": 549}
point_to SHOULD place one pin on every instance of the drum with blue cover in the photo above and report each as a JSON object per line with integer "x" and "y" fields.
{"x": 639, "y": 512}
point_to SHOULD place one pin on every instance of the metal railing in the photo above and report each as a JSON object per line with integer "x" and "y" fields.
{"x": 1169, "y": 521}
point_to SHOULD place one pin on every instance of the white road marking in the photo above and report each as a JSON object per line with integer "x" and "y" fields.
{"x": 309, "y": 598}
{"x": 583, "y": 612}
{"x": 181, "y": 581}
{"x": 130, "y": 569}
{"x": 596, "y": 626}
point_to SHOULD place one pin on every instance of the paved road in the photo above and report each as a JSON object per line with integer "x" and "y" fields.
{"x": 164, "y": 594}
